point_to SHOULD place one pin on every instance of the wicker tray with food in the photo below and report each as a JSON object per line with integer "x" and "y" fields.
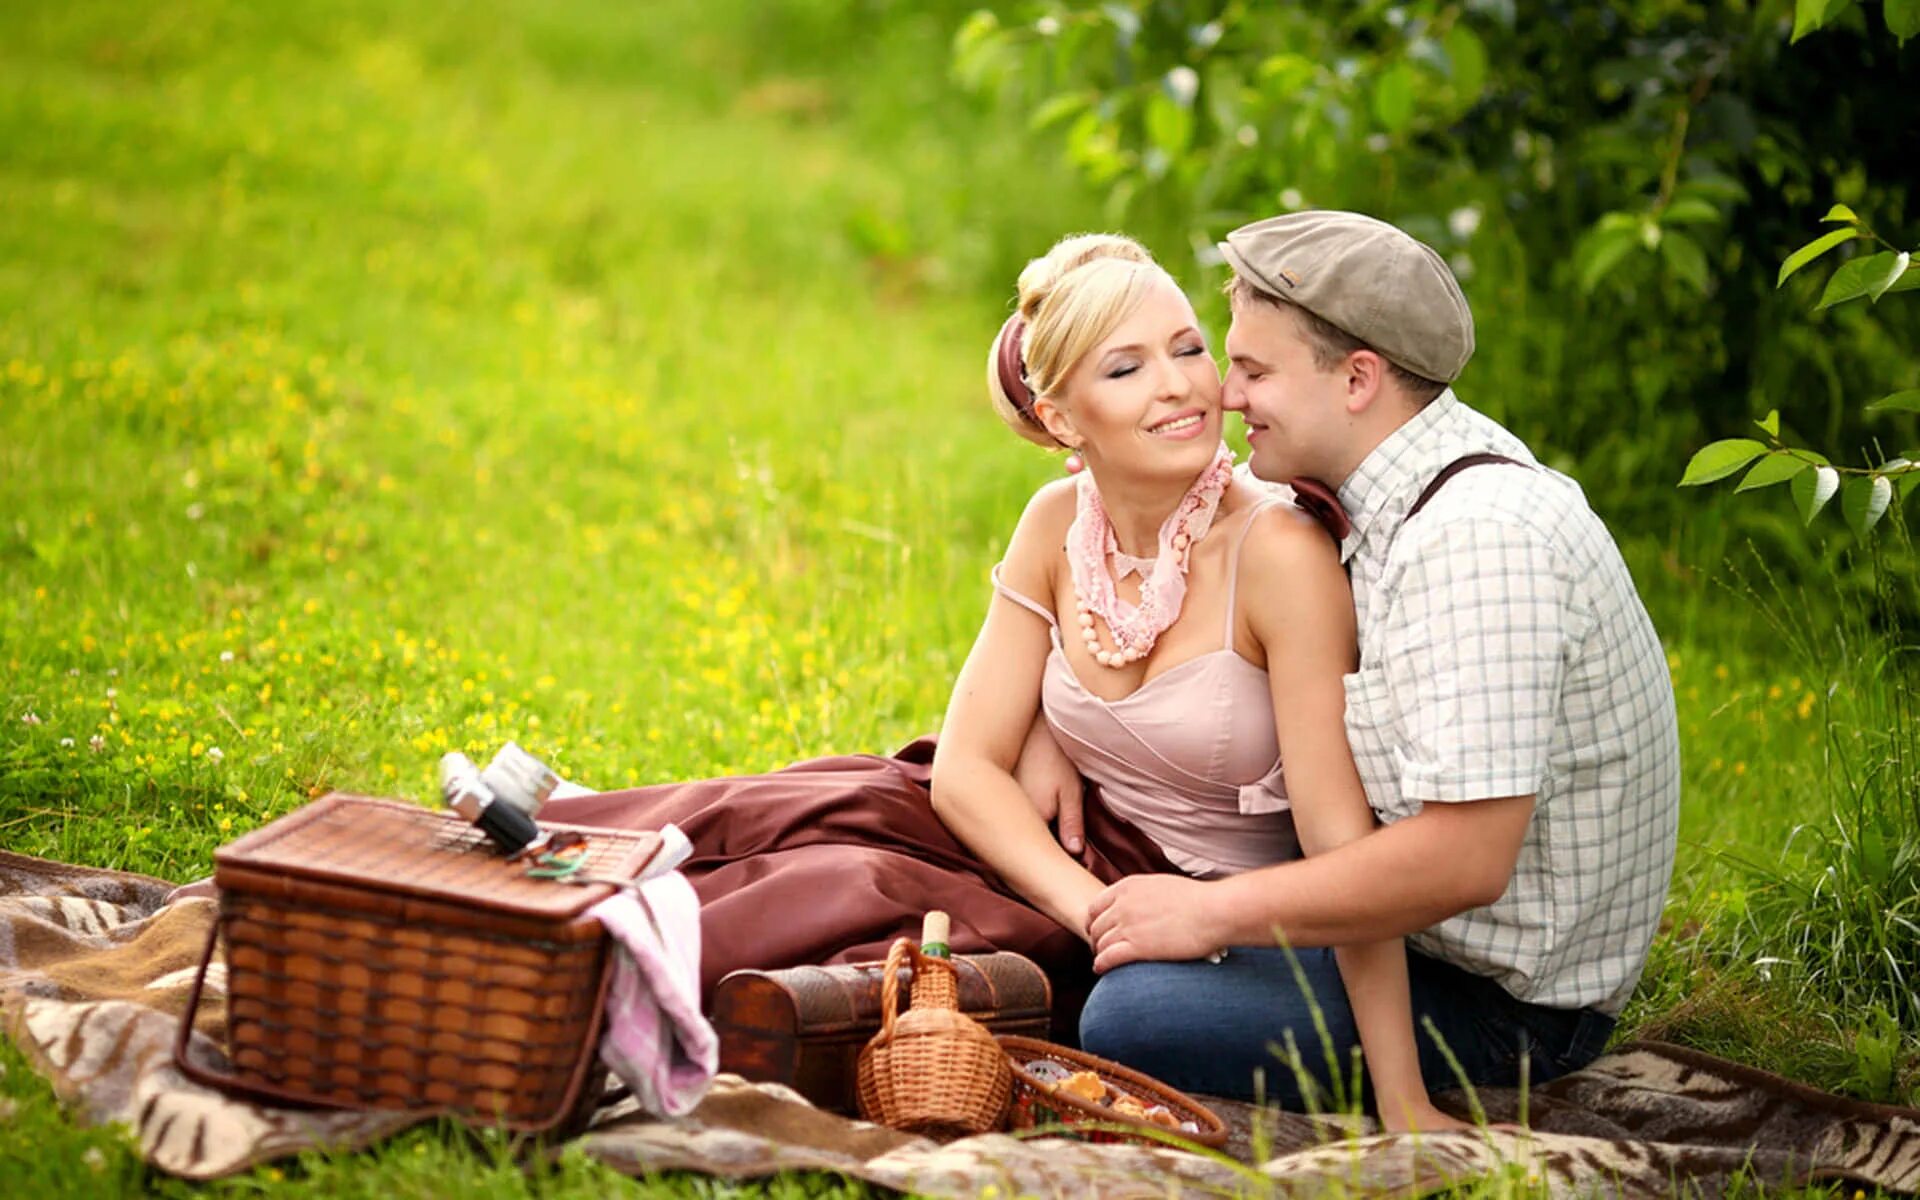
{"x": 1053, "y": 1085}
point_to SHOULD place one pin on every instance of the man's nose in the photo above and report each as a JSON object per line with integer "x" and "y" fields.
{"x": 1231, "y": 397}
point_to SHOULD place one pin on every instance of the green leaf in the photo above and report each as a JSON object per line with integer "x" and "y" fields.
{"x": 1717, "y": 460}
{"x": 1894, "y": 272}
{"x": 1907, "y": 282}
{"x": 1601, "y": 252}
{"x": 1169, "y": 126}
{"x": 1469, "y": 58}
{"x": 1712, "y": 185}
{"x": 978, "y": 47}
{"x": 1393, "y": 97}
{"x": 1690, "y": 210}
{"x": 1058, "y": 109}
{"x": 1687, "y": 260}
{"x": 1770, "y": 422}
{"x": 1906, "y": 481}
{"x": 1865, "y": 501}
{"x": 1903, "y": 18}
{"x": 1814, "y": 249}
{"x": 1907, "y": 401}
{"x": 1854, "y": 279}
{"x": 1807, "y": 15}
{"x": 1286, "y": 74}
{"x": 1841, "y": 212}
{"x": 1812, "y": 489}
{"x": 1774, "y": 468}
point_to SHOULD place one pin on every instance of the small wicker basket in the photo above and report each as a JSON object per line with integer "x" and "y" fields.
{"x": 1037, "y": 1103}
{"x": 383, "y": 955}
{"x": 931, "y": 1069}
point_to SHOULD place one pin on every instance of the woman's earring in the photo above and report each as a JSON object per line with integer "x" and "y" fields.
{"x": 1074, "y": 463}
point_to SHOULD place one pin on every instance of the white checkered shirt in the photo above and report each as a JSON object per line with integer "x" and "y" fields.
{"x": 1505, "y": 652}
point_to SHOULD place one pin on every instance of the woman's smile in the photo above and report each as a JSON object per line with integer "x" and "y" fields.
{"x": 1182, "y": 426}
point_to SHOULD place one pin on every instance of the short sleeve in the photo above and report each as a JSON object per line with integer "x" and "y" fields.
{"x": 1474, "y": 646}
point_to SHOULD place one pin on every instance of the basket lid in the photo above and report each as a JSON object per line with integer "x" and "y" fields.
{"x": 407, "y": 850}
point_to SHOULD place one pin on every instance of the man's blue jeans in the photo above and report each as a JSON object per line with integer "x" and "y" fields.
{"x": 1207, "y": 1027}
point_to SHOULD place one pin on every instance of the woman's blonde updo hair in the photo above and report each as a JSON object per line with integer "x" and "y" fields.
{"x": 1070, "y": 300}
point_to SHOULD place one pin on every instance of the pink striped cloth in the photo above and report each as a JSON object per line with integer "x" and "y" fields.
{"x": 656, "y": 1040}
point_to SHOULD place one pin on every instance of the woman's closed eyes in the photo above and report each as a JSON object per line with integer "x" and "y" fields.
{"x": 1126, "y": 368}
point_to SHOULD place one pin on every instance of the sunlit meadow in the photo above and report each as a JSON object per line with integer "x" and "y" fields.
{"x": 378, "y": 381}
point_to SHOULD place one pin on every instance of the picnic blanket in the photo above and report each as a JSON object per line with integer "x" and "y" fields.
{"x": 94, "y": 968}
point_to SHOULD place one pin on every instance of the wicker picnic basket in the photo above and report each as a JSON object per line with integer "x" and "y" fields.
{"x": 383, "y": 955}
{"x": 1036, "y": 1103}
{"x": 931, "y": 1069}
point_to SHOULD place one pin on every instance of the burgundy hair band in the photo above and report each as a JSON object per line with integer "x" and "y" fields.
{"x": 1013, "y": 370}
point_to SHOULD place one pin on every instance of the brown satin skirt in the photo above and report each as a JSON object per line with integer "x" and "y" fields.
{"x": 830, "y": 860}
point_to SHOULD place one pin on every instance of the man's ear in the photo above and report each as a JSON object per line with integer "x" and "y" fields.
{"x": 1366, "y": 380}
{"x": 1056, "y": 423}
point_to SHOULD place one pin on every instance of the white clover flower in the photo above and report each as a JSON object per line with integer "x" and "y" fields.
{"x": 32, "y": 718}
{"x": 96, "y": 743}
{"x": 1464, "y": 221}
{"x": 1292, "y": 199}
{"x": 66, "y": 743}
{"x": 1182, "y": 84}
{"x": 226, "y": 656}
{"x": 215, "y": 753}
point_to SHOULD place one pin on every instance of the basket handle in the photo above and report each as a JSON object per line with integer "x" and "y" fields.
{"x": 897, "y": 956}
{"x": 221, "y": 1081}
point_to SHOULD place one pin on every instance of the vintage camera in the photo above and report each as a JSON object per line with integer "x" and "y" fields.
{"x": 502, "y": 800}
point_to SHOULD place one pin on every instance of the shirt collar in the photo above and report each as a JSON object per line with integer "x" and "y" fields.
{"x": 1383, "y": 487}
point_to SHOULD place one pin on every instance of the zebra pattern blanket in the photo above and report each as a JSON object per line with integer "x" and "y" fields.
{"x": 94, "y": 968}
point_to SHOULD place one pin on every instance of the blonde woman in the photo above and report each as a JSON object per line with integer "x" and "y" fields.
{"x": 1182, "y": 631}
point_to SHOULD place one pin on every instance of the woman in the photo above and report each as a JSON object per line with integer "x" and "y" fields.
{"x": 1179, "y": 702}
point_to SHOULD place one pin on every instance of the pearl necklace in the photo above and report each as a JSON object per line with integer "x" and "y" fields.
{"x": 1093, "y": 550}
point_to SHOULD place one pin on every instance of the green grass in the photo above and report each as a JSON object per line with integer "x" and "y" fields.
{"x": 381, "y": 380}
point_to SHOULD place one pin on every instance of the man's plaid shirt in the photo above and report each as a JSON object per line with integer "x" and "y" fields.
{"x": 1505, "y": 652}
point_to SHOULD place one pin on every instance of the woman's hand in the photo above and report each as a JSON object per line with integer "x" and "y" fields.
{"x": 1163, "y": 918}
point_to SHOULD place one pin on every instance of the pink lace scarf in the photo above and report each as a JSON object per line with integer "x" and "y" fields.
{"x": 1094, "y": 557}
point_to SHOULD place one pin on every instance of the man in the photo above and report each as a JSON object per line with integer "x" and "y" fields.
{"x": 1512, "y": 718}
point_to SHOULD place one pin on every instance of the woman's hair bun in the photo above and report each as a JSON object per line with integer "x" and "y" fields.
{"x": 1069, "y": 254}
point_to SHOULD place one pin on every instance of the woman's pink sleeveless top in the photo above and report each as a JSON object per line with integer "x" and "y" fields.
{"x": 1190, "y": 757}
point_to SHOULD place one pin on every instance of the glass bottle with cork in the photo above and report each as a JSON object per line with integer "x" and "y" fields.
{"x": 934, "y": 983}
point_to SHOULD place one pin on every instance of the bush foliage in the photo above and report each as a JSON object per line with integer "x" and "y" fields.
{"x": 1616, "y": 185}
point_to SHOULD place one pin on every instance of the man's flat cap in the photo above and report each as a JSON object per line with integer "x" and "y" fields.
{"x": 1373, "y": 280}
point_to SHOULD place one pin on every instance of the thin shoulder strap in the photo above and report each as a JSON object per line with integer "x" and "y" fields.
{"x": 1450, "y": 470}
{"x": 1032, "y": 606}
{"x": 1233, "y": 563}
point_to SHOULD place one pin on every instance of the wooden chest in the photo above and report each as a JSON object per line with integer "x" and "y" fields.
{"x": 804, "y": 1026}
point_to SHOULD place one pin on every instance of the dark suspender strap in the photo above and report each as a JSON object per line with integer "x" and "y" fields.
{"x": 1454, "y": 468}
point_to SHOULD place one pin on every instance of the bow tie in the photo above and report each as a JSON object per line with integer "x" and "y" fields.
{"x": 1318, "y": 501}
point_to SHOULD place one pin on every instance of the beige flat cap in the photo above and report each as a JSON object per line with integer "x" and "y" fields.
{"x": 1372, "y": 279}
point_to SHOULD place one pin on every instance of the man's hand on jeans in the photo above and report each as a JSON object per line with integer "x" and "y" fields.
{"x": 1053, "y": 785}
